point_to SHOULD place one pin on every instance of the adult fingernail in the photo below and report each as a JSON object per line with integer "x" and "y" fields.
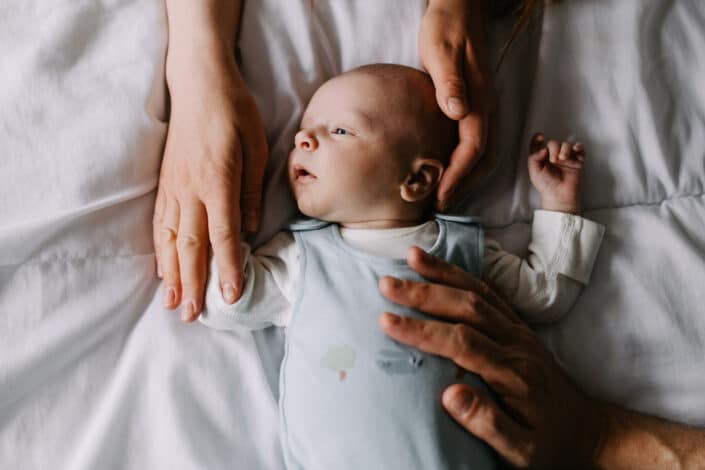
{"x": 229, "y": 293}
{"x": 188, "y": 311}
{"x": 460, "y": 404}
{"x": 456, "y": 106}
{"x": 169, "y": 297}
{"x": 392, "y": 319}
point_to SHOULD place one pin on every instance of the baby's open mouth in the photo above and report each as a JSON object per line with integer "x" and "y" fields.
{"x": 302, "y": 174}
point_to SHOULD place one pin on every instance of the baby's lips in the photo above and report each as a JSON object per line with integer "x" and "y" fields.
{"x": 300, "y": 170}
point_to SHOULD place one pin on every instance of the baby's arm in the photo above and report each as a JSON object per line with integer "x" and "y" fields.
{"x": 563, "y": 247}
{"x": 545, "y": 285}
{"x": 270, "y": 278}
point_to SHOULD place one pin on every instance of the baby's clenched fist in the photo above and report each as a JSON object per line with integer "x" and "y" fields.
{"x": 556, "y": 171}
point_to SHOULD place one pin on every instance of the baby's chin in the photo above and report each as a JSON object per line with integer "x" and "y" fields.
{"x": 317, "y": 211}
{"x": 309, "y": 209}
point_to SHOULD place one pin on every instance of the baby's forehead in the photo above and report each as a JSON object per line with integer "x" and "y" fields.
{"x": 376, "y": 98}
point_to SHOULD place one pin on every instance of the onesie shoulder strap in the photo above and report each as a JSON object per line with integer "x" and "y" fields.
{"x": 464, "y": 241}
{"x": 305, "y": 224}
{"x": 459, "y": 219}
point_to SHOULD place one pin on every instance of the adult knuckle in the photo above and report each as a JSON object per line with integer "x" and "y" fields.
{"x": 474, "y": 147}
{"x": 449, "y": 45}
{"x": 171, "y": 278}
{"x": 472, "y": 302}
{"x": 463, "y": 339}
{"x": 523, "y": 454}
{"x": 527, "y": 454}
{"x": 420, "y": 294}
{"x": 427, "y": 333}
{"x": 529, "y": 376}
{"x": 222, "y": 234}
{"x": 188, "y": 242}
{"x": 454, "y": 84}
{"x": 490, "y": 421}
{"x": 485, "y": 289}
{"x": 167, "y": 235}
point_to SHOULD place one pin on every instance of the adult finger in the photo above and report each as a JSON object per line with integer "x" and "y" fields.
{"x": 168, "y": 255}
{"x": 254, "y": 161}
{"x": 438, "y": 270}
{"x": 470, "y": 148}
{"x": 445, "y": 64}
{"x": 458, "y": 342}
{"x": 449, "y": 303}
{"x": 192, "y": 245}
{"x": 224, "y": 231}
{"x": 481, "y": 416}
{"x": 159, "y": 208}
{"x": 473, "y": 130}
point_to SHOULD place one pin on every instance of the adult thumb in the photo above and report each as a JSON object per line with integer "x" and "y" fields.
{"x": 445, "y": 66}
{"x": 481, "y": 416}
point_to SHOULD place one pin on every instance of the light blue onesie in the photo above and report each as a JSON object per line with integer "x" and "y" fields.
{"x": 350, "y": 396}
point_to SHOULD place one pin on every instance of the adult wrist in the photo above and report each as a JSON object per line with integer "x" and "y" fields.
{"x": 453, "y": 5}
{"x": 202, "y": 40}
{"x": 211, "y": 66}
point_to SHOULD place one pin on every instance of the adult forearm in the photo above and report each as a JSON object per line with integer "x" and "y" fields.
{"x": 477, "y": 13}
{"x": 638, "y": 441}
{"x": 202, "y": 34}
{"x": 473, "y": 4}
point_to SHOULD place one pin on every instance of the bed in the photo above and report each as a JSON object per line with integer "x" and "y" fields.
{"x": 94, "y": 373}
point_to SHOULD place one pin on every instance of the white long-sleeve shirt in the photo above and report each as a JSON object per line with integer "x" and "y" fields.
{"x": 541, "y": 287}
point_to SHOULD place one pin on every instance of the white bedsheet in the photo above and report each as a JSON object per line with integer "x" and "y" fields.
{"x": 95, "y": 374}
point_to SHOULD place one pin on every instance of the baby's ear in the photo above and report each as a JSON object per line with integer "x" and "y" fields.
{"x": 421, "y": 182}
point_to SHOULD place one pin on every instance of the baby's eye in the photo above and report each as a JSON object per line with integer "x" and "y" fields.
{"x": 340, "y": 131}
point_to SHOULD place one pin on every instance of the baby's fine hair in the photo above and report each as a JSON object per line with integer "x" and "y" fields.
{"x": 435, "y": 135}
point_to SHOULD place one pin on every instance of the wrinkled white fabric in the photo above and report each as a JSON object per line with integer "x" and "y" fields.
{"x": 95, "y": 374}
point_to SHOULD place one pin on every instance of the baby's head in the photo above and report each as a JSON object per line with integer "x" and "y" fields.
{"x": 372, "y": 147}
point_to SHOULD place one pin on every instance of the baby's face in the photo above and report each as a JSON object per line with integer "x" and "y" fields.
{"x": 350, "y": 155}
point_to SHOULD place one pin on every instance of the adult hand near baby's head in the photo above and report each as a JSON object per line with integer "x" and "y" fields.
{"x": 210, "y": 183}
{"x": 543, "y": 420}
{"x": 453, "y": 50}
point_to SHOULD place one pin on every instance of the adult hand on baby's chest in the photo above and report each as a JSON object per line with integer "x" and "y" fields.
{"x": 542, "y": 420}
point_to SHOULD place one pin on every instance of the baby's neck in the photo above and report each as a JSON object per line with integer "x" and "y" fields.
{"x": 381, "y": 224}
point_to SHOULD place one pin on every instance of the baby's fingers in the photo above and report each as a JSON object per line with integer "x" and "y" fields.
{"x": 578, "y": 152}
{"x": 537, "y": 143}
{"x": 571, "y": 156}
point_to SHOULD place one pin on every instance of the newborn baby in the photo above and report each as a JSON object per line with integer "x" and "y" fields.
{"x": 372, "y": 147}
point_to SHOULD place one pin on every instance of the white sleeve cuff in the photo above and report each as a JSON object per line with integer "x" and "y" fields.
{"x": 267, "y": 278}
{"x": 573, "y": 241}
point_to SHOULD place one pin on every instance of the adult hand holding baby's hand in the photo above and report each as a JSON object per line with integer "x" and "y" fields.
{"x": 453, "y": 50}
{"x": 210, "y": 182}
{"x": 543, "y": 420}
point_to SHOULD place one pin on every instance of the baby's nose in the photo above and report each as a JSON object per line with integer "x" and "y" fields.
{"x": 305, "y": 140}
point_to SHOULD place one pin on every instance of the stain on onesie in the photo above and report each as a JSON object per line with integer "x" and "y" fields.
{"x": 339, "y": 358}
